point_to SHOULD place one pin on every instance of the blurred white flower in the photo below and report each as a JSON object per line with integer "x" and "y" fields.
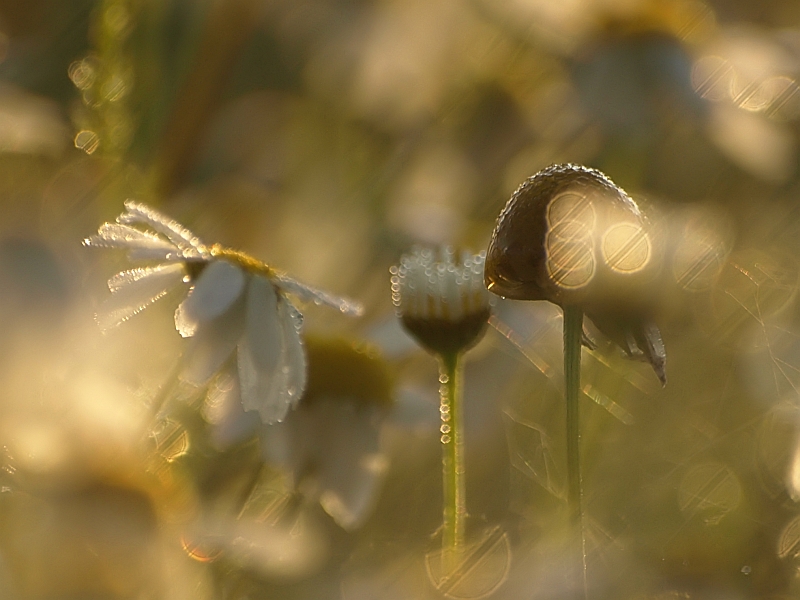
{"x": 329, "y": 447}
{"x": 235, "y": 303}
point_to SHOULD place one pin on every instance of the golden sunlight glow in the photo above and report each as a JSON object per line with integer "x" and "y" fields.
{"x": 568, "y": 243}
{"x": 626, "y": 248}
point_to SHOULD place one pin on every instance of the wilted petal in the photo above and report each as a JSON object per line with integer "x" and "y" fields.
{"x": 213, "y": 343}
{"x": 260, "y": 352}
{"x": 134, "y": 290}
{"x": 311, "y": 294}
{"x": 218, "y": 286}
{"x": 648, "y": 338}
{"x": 639, "y": 337}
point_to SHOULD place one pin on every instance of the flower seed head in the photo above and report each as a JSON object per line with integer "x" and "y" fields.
{"x": 571, "y": 236}
{"x": 441, "y": 300}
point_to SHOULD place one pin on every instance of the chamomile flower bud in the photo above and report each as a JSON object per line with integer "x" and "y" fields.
{"x": 441, "y": 299}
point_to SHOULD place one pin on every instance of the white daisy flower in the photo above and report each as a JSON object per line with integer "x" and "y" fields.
{"x": 234, "y": 303}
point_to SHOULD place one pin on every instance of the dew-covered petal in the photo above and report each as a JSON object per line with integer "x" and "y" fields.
{"x": 317, "y": 296}
{"x": 146, "y": 254}
{"x": 218, "y": 286}
{"x": 141, "y": 243}
{"x": 260, "y": 352}
{"x": 293, "y": 366}
{"x": 213, "y": 343}
{"x": 189, "y": 244}
{"x": 185, "y": 326}
{"x": 134, "y": 290}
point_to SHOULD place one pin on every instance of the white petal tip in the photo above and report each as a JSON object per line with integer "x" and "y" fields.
{"x": 352, "y": 309}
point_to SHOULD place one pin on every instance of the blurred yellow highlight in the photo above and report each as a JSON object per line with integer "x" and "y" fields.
{"x": 626, "y": 248}
{"x": 756, "y": 89}
{"x": 86, "y": 140}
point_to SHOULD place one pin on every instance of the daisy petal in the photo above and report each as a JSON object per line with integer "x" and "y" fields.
{"x": 261, "y": 352}
{"x": 311, "y": 294}
{"x": 134, "y": 290}
{"x": 218, "y": 286}
{"x": 125, "y": 278}
{"x": 293, "y": 365}
{"x": 184, "y": 325}
{"x": 184, "y": 239}
{"x": 115, "y": 235}
{"x": 213, "y": 343}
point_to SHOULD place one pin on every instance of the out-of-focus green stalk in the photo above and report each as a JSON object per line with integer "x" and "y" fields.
{"x": 452, "y": 438}
{"x": 573, "y": 332}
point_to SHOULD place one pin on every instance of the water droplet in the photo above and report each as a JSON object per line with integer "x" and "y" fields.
{"x": 82, "y": 73}
{"x": 445, "y": 439}
{"x": 86, "y": 140}
{"x": 115, "y": 88}
{"x": 445, "y": 428}
{"x": 746, "y": 569}
{"x": 443, "y": 378}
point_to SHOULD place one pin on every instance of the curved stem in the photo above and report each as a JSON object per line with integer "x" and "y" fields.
{"x": 573, "y": 332}
{"x": 452, "y": 438}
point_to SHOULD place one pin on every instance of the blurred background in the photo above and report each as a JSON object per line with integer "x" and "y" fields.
{"x": 327, "y": 137}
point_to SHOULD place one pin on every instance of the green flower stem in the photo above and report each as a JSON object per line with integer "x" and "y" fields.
{"x": 573, "y": 324}
{"x": 573, "y": 332}
{"x": 452, "y": 438}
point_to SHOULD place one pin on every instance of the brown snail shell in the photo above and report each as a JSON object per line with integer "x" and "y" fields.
{"x": 571, "y": 236}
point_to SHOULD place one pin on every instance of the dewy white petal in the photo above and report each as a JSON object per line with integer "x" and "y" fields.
{"x": 135, "y": 290}
{"x": 144, "y": 254}
{"x": 218, "y": 286}
{"x": 115, "y": 235}
{"x": 189, "y": 244}
{"x": 317, "y": 296}
{"x": 185, "y": 326}
{"x": 213, "y": 343}
{"x": 293, "y": 367}
{"x": 260, "y": 352}
{"x": 125, "y": 278}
